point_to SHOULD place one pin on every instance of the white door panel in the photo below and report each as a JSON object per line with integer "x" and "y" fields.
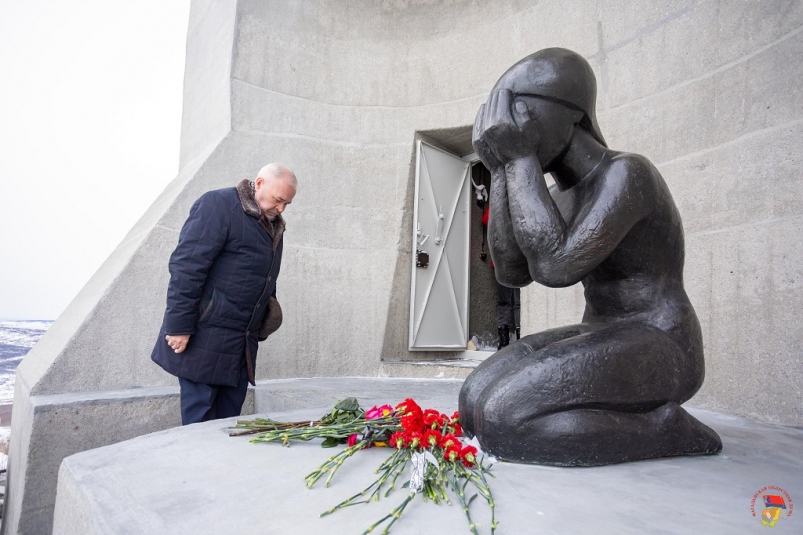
{"x": 439, "y": 294}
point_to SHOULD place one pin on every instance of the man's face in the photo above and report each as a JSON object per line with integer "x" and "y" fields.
{"x": 273, "y": 195}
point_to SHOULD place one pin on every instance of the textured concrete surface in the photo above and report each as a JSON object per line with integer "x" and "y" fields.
{"x": 340, "y": 90}
{"x": 59, "y": 425}
{"x": 197, "y": 479}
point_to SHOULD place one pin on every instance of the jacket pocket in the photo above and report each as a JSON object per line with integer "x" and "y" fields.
{"x": 207, "y": 308}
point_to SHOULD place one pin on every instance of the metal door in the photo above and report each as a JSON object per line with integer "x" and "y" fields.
{"x": 439, "y": 292}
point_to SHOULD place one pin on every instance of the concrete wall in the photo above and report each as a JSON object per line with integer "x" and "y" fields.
{"x": 710, "y": 92}
{"x": 338, "y": 90}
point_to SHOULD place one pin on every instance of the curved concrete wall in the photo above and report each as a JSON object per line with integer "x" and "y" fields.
{"x": 338, "y": 90}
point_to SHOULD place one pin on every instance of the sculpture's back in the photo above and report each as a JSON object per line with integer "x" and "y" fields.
{"x": 608, "y": 389}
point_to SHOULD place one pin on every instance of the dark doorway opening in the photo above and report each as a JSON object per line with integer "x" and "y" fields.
{"x": 482, "y": 287}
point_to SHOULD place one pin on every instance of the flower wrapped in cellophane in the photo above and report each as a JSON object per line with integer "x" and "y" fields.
{"x": 427, "y": 440}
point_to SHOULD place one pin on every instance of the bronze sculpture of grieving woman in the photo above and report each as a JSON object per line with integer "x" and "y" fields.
{"x": 609, "y": 389}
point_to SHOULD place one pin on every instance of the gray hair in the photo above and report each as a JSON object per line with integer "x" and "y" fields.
{"x": 278, "y": 170}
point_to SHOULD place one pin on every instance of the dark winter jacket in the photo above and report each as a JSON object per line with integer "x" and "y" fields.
{"x": 222, "y": 277}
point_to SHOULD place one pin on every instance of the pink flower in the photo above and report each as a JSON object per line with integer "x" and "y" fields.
{"x": 352, "y": 440}
{"x": 378, "y": 412}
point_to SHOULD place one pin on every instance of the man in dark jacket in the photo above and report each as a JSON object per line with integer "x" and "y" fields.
{"x": 221, "y": 300}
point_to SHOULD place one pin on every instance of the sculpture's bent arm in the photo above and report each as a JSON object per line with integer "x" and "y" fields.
{"x": 510, "y": 264}
{"x": 558, "y": 254}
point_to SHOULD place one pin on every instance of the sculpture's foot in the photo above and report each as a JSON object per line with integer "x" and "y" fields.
{"x": 686, "y": 434}
{"x": 593, "y": 437}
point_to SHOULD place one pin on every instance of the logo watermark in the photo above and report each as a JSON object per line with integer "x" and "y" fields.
{"x": 775, "y": 503}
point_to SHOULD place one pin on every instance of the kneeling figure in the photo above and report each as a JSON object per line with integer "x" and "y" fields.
{"x": 608, "y": 389}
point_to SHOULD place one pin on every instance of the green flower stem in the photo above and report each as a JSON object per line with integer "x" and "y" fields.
{"x": 390, "y": 460}
{"x": 477, "y": 478}
{"x": 395, "y": 467}
{"x": 350, "y": 501}
{"x": 333, "y": 463}
{"x": 261, "y": 425}
{"x": 349, "y": 452}
{"x": 395, "y": 514}
{"x": 286, "y": 433}
{"x": 460, "y": 492}
{"x": 442, "y": 488}
{"x": 402, "y": 464}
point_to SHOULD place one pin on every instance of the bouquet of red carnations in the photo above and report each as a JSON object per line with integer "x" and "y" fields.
{"x": 428, "y": 440}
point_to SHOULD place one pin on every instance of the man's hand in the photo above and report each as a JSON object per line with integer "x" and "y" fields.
{"x": 504, "y": 128}
{"x": 178, "y": 342}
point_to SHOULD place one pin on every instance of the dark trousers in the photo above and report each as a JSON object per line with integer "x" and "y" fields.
{"x": 508, "y": 306}
{"x": 202, "y": 402}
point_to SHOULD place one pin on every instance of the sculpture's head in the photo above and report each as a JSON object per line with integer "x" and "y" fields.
{"x": 556, "y": 77}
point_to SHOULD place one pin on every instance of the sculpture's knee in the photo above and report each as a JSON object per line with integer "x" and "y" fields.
{"x": 561, "y": 438}
{"x": 503, "y": 406}
{"x": 519, "y": 436}
{"x": 488, "y": 372}
{"x": 469, "y": 396}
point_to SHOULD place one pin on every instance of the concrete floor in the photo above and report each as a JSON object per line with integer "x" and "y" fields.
{"x": 197, "y": 479}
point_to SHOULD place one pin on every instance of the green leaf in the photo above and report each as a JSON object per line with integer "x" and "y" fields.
{"x": 406, "y": 485}
{"x": 330, "y": 442}
{"x": 348, "y": 405}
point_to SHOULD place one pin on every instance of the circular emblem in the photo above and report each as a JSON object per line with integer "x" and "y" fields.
{"x": 771, "y": 504}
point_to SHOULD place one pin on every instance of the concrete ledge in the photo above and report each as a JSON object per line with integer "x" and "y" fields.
{"x": 293, "y": 394}
{"x": 197, "y": 479}
{"x": 60, "y": 425}
{"x": 435, "y": 369}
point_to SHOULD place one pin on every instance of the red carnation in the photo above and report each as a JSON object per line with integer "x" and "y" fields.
{"x": 412, "y": 422}
{"x": 443, "y": 421}
{"x": 398, "y": 440}
{"x": 432, "y": 438}
{"x": 432, "y": 419}
{"x": 414, "y": 440}
{"x": 449, "y": 441}
{"x": 457, "y": 429}
{"x": 407, "y": 406}
{"x": 456, "y": 417}
{"x": 469, "y": 456}
{"x": 452, "y": 454}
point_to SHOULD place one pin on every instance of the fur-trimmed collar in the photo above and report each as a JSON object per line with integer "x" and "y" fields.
{"x": 275, "y": 227}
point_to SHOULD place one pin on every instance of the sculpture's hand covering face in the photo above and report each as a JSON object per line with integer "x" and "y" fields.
{"x": 505, "y": 129}
{"x": 557, "y": 75}
{"x": 480, "y": 144}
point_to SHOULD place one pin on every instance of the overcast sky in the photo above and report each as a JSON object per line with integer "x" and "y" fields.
{"x": 90, "y": 114}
